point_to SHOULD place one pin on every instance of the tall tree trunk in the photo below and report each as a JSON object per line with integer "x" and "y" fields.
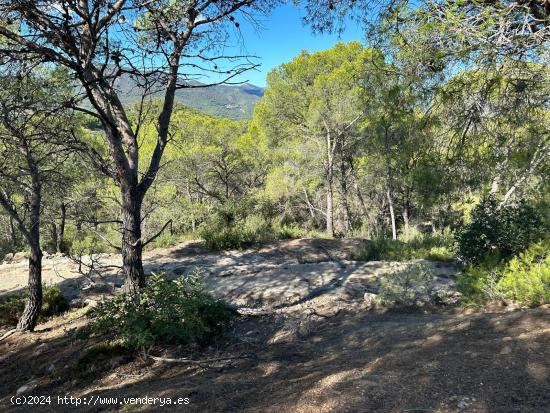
{"x": 405, "y": 215}
{"x": 406, "y": 212}
{"x": 13, "y": 236}
{"x": 392, "y": 213}
{"x": 55, "y": 236}
{"x": 132, "y": 244}
{"x": 330, "y": 185}
{"x": 358, "y": 190}
{"x": 330, "y": 208}
{"x": 190, "y": 197}
{"x": 60, "y": 246}
{"x": 345, "y": 202}
{"x": 389, "y": 189}
{"x": 28, "y": 319}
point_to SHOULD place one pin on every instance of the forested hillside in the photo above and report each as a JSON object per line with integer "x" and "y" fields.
{"x": 224, "y": 101}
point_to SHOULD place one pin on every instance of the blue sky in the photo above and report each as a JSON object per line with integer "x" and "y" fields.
{"x": 284, "y": 36}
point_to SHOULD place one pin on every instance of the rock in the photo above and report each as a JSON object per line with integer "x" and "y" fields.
{"x": 77, "y": 302}
{"x": 99, "y": 288}
{"x": 89, "y": 302}
{"x": 26, "y": 387}
{"x": 371, "y": 300}
{"x": 19, "y": 257}
{"x": 50, "y": 368}
{"x": 8, "y": 258}
{"x": 506, "y": 350}
{"x": 40, "y": 349}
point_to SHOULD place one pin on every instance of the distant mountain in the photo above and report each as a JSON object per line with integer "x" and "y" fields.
{"x": 226, "y": 101}
{"x": 234, "y": 102}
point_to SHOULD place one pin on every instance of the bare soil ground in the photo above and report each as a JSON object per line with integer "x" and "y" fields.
{"x": 311, "y": 358}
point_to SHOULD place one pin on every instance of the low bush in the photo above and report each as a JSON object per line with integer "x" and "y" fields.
{"x": 230, "y": 227}
{"x": 101, "y": 351}
{"x": 429, "y": 247}
{"x": 53, "y": 303}
{"x": 11, "y": 309}
{"x": 165, "y": 311}
{"x": 498, "y": 231}
{"x": 290, "y": 232}
{"x": 524, "y": 279}
{"x": 405, "y": 287}
{"x": 411, "y": 287}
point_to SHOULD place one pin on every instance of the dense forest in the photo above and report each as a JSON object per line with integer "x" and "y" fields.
{"x": 429, "y": 140}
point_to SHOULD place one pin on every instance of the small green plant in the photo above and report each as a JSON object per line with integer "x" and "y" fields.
{"x": 101, "y": 351}
{"x": 165, "y": 311}
{"x": 53, "y": 303}
{"x": 410, "y": 287}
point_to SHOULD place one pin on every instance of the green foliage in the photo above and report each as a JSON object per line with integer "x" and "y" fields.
{"x": 405, "y": 287}
{"x": 525, "y": 278}
{"x": 498, "y": 231}
{"x": 231, "y": 227}
{"x": 290, "y": 232}
{"x": 53, "y": 303}
{"x": 477, "y": 284}
{"x": 101, "y": 351}
{"x": 179, "y": 311}
{"x": 429, "y": 247}
{"x": 11, "y": 309}
{"x": 411, "y": 287}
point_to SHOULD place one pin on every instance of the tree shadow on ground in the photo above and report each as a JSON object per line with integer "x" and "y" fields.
{"x": 354, "y": 362}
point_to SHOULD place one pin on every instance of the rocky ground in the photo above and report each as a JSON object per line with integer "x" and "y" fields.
{"x": 320, "y": 346}
{"x": 290, "y": 275}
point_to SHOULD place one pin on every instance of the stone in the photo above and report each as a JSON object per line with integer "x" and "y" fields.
{"x": 40, "y": 349}
{"x": 19, "y": 256}
{"x": 506, "y": 350}
{"x": 26, "y": 387}
{"x": 370, "y": 299}
{"x": 8, "y": 258}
